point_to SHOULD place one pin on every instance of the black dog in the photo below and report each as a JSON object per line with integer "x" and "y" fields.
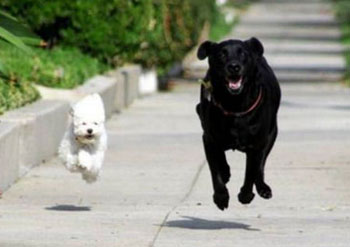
{"x": 239, "y": 100}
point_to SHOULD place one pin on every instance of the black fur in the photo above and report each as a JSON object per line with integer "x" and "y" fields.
{"x": 253, "y": 133}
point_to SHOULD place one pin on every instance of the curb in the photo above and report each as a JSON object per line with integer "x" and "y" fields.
{"x": 30, "y": 135}
{"x": 9, "y": 165}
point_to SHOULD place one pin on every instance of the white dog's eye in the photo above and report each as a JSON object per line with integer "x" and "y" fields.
{"x": 95, "y": 123}
{"x": 83, "y": 123}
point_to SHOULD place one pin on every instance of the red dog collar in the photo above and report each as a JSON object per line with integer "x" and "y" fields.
{"x": 239, "y": 114}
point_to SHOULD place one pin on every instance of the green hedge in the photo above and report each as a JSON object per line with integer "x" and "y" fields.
{"x": 14, "y": 94}
{"x": 150, "y": 32}
{"x": 59, "y": 67}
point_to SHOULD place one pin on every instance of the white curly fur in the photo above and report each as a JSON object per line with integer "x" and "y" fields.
{"x": 84, "y": 144}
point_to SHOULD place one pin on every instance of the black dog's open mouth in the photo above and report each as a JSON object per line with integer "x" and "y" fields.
{"x": 235, "y": 85}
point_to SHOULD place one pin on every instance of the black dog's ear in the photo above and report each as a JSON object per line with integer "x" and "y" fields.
{"x": 256, "y": 46}
{"x": 205, "y": 49}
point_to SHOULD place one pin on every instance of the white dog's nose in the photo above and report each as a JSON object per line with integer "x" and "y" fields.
{"x": 89, "y": 131}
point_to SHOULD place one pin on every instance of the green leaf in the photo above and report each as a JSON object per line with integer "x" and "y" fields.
{"x": 11, "y": 24}
{"x": 33, "y": 41}
{"x": 9, "y": 37}
{"x": 3, "y": 71}
{"x": 8, "y": 16}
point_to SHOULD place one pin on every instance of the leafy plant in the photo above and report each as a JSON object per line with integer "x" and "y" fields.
{"x": 16, "y": 34}
{"x": 12, "y": 93}
{"x": 151, "y": 32}
{"x": 60, "y": 67}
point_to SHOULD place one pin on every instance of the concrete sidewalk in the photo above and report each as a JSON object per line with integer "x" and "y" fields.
{"x": 155, "y": 189}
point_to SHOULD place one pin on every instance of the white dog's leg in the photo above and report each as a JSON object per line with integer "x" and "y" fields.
{"x": 85, "y": 159}
{"x": 72, "y": 162}
{"x": 66, "y": 153}
{"x": 98, "y": 160}
{"x": 92, "y": 174}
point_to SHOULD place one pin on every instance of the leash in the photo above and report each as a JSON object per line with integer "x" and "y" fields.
{"x": 206, "y": 84}
{"x": 209, "y": 88}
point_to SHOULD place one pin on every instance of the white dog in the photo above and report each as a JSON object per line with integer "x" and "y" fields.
{"x": 85, "y": 141}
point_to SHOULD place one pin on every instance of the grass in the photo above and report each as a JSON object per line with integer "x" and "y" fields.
{"x": 14, "y": 95}
{"x": 58, "y": 68}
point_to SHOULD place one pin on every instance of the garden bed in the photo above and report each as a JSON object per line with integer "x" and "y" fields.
{"x": 58, "y": 68}
{"x": 14, "y": 95}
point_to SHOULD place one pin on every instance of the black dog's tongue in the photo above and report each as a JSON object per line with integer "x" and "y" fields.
{"x": 235, "y": 84}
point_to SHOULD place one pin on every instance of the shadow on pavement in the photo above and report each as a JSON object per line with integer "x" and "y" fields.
{"x": 68, "y": 208}
{"x": 202, "y": 224}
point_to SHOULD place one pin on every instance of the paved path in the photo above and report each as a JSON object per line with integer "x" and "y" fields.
{"x": 155, "y": 190}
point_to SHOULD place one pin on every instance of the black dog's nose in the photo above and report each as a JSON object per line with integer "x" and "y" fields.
{"x": 234, "y": 67}
{"x": 89, "y": 131}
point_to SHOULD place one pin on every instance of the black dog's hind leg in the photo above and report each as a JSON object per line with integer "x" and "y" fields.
{"x": 261, "y": 187}
{"x": 220, "y": 172}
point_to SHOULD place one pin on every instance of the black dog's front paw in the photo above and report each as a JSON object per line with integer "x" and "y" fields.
{"x": 264, "y": 191}
{"x": 245, "y": 197}
{"x": 221, "y": 199}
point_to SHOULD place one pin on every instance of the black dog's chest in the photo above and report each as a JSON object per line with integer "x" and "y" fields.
{"x": 235, "y": 133}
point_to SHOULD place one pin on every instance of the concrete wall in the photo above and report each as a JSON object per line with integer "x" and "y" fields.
{"x": 40, "y": 127}
{"x": 9, "y": 158}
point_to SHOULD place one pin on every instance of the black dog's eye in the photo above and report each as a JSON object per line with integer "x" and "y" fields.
{"x": 223, "y": 54}
{"x": 241, "y": 53}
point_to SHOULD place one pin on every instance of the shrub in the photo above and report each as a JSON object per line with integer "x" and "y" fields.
{"x": 151, "y": 32}
{"x": 59, "y": 67}
{"x": 14, "y": 94}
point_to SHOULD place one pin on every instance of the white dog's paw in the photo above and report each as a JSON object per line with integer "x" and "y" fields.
{"x": 72, "y": 167}
{"x": 71, "y": 163}
{"x": 85, "y": 160}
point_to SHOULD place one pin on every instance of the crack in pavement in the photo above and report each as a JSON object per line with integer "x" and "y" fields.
{"x": 186, "y": 196}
